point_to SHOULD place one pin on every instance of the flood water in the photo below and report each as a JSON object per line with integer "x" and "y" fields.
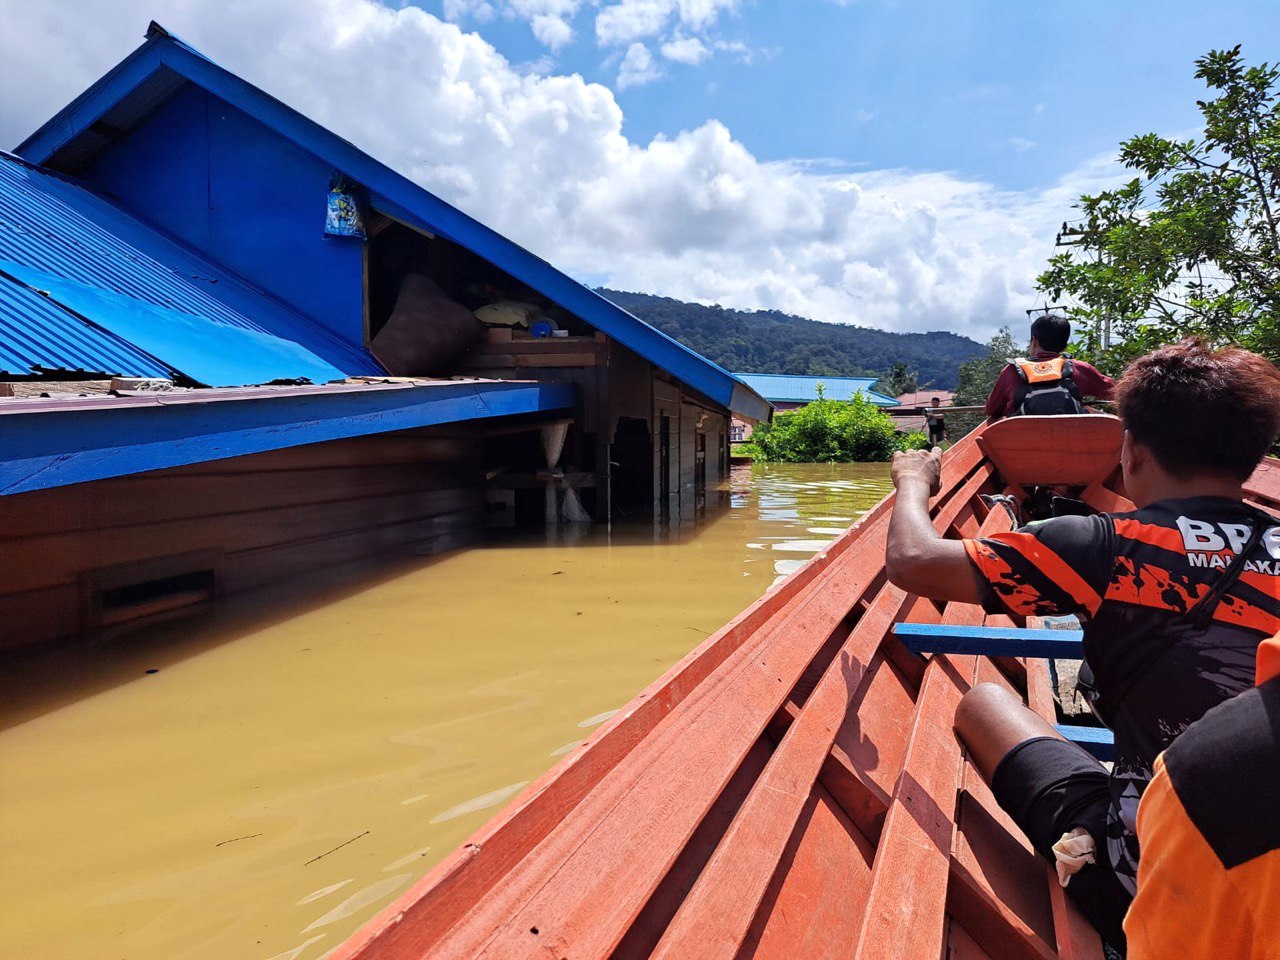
{"x": 257, "y": 783}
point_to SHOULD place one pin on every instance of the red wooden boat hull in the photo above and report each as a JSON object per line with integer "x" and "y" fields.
{"x": 792, "y": 788}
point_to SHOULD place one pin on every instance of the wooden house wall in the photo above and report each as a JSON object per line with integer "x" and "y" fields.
{"x": 684, "y": 412}
{"x": 253, "y": 520}
{"x": 581, "y": 361}
{"x": 613, "y": 382}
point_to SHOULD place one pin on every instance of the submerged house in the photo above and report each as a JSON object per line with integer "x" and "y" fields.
{"x": 235, "y": 349}
{"x": 785, "y": 392}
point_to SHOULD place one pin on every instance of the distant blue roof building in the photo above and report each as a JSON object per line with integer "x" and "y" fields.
{"x": 783, "y": 388}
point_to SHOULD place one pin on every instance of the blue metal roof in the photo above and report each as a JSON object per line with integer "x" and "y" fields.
{"x": 58, "y": 442}
{"x": 153, "y": 72}
{"x": 38, "y": 335}
{"x": 782, "y": 388}
{"x": 88, "y": 287}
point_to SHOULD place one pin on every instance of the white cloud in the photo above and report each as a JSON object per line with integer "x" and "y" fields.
{"x": 637, "y": 67}
{"x": 550, "y": 20}
{"x": 632, "y": 20}
{"x": 626, "y": 21}
{"x": 478, "y": 9}
{"x": 1021, "y": 144}
{"x": 700, "y": 14}
{"x": 544, "y": 160}
{"x": 554, "y": 31}
{"x": 688, "y": 50}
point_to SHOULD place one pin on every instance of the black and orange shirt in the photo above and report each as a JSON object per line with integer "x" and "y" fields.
{"x": 1209, "y": 883}
{"x": 1129, "y": 577}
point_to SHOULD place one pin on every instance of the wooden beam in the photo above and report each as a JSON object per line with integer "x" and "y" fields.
{"x": 985, "y": 641}
{"x": 1099, "y": 742}
{"x": 906, "y": 912}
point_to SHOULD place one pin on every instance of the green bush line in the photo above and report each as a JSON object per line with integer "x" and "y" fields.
{"x": 832, "y": 431}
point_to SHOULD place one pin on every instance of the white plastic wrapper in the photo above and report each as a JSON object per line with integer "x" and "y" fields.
{"x": 1072, "y": 852}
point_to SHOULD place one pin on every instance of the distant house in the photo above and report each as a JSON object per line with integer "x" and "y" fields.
{"x": 909, "y": 414}
{"x": 236, "y": 349}
{"x": 786, "y": 392}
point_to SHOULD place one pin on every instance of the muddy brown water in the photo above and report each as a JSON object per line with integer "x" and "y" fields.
{"x": 296, "y": 762}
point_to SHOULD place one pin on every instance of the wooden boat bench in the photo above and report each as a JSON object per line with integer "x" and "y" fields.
{"x": 1031, "y": 642}
{"x": 1023, "y": 642}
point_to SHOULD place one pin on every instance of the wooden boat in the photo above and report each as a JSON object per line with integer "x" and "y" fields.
{"x": 792, "y": 788}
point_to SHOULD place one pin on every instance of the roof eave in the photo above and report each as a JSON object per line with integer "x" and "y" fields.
{"x": 56, "y": 443}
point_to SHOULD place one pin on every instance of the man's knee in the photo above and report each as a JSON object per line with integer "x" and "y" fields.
{"x": 980, "y": 706}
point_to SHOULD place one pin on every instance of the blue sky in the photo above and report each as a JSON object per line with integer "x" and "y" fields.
{"x": 895, "y": 165}
{"x": 1015, "y": 92}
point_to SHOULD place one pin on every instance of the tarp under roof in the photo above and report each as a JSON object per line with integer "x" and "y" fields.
{"x": 158, "y": 69}
{"x": 38, "y": 336}
{"x": 784, "y": 388}
{"x": 86, "y": 287}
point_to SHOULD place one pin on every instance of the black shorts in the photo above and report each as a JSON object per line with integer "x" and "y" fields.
{"x": 1049, "y": 787}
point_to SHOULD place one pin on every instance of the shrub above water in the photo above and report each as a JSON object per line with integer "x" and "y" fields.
{"x": 829, "y": 431}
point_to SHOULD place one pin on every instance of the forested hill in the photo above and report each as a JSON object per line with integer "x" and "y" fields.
{"x": 766, "y": 341}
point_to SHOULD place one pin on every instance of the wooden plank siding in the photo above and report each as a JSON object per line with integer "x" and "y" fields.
{"x": 251, "y": 520}
{"x": 612, "y": 382}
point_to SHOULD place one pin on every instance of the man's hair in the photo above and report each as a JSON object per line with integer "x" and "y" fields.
{"x": 1052, "y": 332}
{"x": 1202, "y": 411}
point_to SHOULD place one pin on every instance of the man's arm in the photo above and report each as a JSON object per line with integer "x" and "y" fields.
{"x": 918, "y": 559}
{"x": 1001, "y": 395}
{"x": 1092, "y": 382}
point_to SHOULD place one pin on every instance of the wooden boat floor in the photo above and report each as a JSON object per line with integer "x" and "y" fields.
{"x": 791, "y": 789}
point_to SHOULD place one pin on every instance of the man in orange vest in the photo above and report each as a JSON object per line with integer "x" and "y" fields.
{"x": 1209, "y": 825}
{"x": 1045, "y": 382}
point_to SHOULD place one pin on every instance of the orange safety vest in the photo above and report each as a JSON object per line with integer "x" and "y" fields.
{"x": 1045, "y": 388}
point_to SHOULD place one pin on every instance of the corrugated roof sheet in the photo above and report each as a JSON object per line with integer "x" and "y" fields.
{"x": 40, "y": 336}
{"x": 781, "y": 388}
{"x": 93, "y": 260}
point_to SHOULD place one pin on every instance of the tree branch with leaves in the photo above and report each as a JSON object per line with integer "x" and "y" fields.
{"x": 1191, "y": 245}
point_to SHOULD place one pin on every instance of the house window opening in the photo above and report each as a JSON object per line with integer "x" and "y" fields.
{"x": 143, "y": 598}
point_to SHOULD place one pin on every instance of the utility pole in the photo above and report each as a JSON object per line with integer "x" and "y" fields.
{"x": 1077, "y": 235}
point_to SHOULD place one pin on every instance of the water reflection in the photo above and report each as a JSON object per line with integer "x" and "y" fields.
{"x": 365, "y": 729}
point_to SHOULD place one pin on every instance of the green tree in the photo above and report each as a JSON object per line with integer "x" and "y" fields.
{"x": 977, "y": 377}
{"x": 765, "y": 341}
{"x": 829, "y": 431}
{"x": 1191, "y": 245}
{"x": 897, "y": 381}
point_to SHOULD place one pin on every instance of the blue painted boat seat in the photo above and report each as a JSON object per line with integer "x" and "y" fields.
{"x": 922, "y": 638}
{"x": 1099, "y": 742}
{"x": 1040, "y": 644}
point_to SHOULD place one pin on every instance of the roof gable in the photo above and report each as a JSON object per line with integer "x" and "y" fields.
{"x": 96, "y": 290}
{"x": 158, "y": 69}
